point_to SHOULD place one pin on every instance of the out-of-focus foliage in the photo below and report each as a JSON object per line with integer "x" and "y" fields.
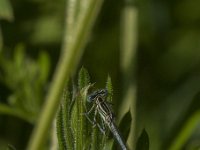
{"x": 6, "y": 11}
{"x": 39, "y": 23}
{"x": 25, "y": 78}
{"x": 169, "y": 54}
{"x": 167, "y": 77}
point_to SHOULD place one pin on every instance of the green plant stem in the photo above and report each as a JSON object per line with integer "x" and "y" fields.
{"x": 186, "y": 131}
{"x": 4, "y": 109}
{"x": 67, "y": 62}
{"x": 70, "y": 21}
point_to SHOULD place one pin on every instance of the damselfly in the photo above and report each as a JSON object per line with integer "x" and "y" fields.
{"x": 102, "y": 107}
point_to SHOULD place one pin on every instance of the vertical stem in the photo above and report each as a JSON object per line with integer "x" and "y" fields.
{"x": 67, "y": 63}
{"x": 128, "y": 64}
{"x": 69, "y": 22}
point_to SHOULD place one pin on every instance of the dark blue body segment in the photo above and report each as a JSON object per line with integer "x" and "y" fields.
{"x": 99, "y": 93}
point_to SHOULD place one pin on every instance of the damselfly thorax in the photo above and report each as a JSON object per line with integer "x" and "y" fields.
{"x": 104, "y": 110}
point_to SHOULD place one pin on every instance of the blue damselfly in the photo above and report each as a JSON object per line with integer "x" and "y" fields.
{"x": 102, "y": 107}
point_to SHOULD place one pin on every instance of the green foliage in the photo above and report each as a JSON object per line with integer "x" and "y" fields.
{"x": 71, "y": 123}
{"x": 24, "y": 77}
{"x": 74, "y": 131}
{"x": 77, "y": 122}
{"x": 6, "y": 11}
{"x": 72, "y": 49}
{"x": 167, "y": 76}
{"x": 143, "y": 141}
{"x": 125, "y": 125}
{"x": 60, "y": 129}
{"x": 109, "y": 88}
{"x": 67, "y": 105}
{"x": 83, "y": 79}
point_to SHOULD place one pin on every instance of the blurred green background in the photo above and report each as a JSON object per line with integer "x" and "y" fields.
{"x": 165, "y": 71}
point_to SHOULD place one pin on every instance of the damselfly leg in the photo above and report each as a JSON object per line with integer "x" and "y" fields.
{"x": 94, "y": 122}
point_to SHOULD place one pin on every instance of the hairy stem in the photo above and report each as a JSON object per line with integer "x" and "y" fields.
{"x": 67, "y": 63}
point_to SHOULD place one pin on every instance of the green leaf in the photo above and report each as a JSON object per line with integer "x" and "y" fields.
{"x": 143, "y": 141}
{"x": 44, "y": 64}
{"x": 124, "y": 128}
{"x": 109, "y": 88}
{"x": 78, "y": 131}
{"x": 109, "y": 144}
{"x": 21, "y": 76}
{"x": 79, "y": 120}
{"x": 67, "y": 104}
{"x": 125, "y": 125}
{"x": 83, "y": 86}
{"x": 60, "y": 129}
{"x": 87, "y": 127}
{"x": 96, "y": 138}
{"x": 6, "y": 11}
{"x": 104, "y": 142}
{"x": 83, "y": 78}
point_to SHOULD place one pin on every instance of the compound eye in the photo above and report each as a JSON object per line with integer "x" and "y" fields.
{"x": 92, "y": 96}
{"x": 99, "y": 93}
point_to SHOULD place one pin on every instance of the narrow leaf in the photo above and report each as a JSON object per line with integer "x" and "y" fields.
{"x": 83, "y": 78}
{"x": 86, "y": 126}
{"x": 60, "y": 129}
{"x": 77, "y": 122}
{"x": 67, "y": 118}
{"x": 124, "y": 128}
{"x": 143, "y": 141}
{"x": 109, "y": 88}
{"x": 74, "y": 120}
{"x": 96, "y": 138}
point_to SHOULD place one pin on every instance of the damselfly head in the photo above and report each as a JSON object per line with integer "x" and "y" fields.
{"x": 99, "y": 93}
